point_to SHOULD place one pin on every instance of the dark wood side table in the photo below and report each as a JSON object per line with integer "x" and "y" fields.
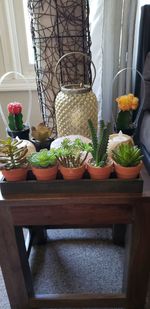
{"x": 72, "y": 210}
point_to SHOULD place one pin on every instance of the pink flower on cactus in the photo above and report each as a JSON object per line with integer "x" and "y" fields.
{"x": 14, "y": 108}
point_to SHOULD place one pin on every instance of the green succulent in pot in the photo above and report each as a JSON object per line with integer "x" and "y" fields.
{"x": 43, "y": 164}
{"x": 13, "y": 162}
{"x": 128, "y": 160}
{"x": 41, "y": 136}
{"x": 127, "y": 155}
{"x": 71, "y": 156}
{"x": 99, "y": 167}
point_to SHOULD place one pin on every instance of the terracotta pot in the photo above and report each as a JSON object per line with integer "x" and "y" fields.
{"x": 100, "y": 172}
{"x": 72, "y": 173}
{"x": 15, "y": 174}
{"x": 46, "y": 173}
{"x": 127, "y": 172}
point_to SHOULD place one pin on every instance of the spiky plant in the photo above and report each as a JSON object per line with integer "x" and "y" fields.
{"x": 72, "y": 153}
{"x": 99, "y": 143}
{"x": 11, "y": 154}
{"x": 127, "y": 155}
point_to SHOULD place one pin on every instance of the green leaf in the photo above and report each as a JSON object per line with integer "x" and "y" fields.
{"x": 127, "y": 155}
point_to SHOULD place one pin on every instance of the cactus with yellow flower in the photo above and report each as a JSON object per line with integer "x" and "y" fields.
{"x": 126, "y": 105}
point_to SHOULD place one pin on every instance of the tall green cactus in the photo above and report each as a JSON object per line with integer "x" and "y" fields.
{"x": 100, "y": 142}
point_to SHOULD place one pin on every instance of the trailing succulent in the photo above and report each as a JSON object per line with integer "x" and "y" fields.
{"x": 127, "y": 155}
{"x": 99, "y": 143}
{"x": 43, "y": 158}
{"x": 72, "y": 153}
{"x": 12, "y": 156}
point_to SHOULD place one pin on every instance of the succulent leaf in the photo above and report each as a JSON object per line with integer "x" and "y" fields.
{"x": 94, "y": 138}
{"x": 11, "y": 155}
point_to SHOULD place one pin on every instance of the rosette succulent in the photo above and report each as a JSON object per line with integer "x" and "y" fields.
{"x": 43, "y": 158}
{"x": 127, "y": 155}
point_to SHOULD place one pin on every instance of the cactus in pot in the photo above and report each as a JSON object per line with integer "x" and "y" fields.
{"x": 99, "y": 167}
{"x": 16, "y": 127}
{"x": 43, "y": 164}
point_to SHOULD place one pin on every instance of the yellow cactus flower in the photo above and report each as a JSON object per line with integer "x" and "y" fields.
{"x": 135, "y": 103}
{"x": 127, "y": 102}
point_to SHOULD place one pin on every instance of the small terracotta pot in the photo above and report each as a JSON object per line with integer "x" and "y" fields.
{"x": 127, "y": 172}
{"x": 72, "y": 173}
{"x": 46, "y": 173}
{"x": 100, "y": 172}
{"x": 15, "y": 174}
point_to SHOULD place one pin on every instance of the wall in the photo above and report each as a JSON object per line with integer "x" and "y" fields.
{"x": 22, "y": 97}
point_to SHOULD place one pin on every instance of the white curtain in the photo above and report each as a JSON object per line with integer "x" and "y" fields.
{"x": 111, "y": 52}
{"x": 96, "y": 29}
{"x": 112, "y": 33}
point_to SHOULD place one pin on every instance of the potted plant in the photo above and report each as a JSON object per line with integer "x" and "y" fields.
{"x": 71, "y": 156}
{"x": 100, "y": 166}
{"x": 41, "y": 136}
{"x": 43, "y": 164}
{"x": 16, "y": 127}
{"x": 13, "y": 162}
{"x": 126, "y": 105}
{"x": 127, "y": 161}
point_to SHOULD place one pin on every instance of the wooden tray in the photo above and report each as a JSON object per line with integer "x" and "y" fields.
{"x": 85, "y": 185}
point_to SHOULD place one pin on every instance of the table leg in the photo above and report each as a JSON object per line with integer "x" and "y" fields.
{"x": 39, "y": 235}
{"x": 24, "y": 260}
{"x": 10, "y": 262}
{"x": 119, "y": 234}
{"x": 139, "y": 266}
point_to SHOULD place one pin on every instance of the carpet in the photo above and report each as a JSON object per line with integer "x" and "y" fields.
{"x": 74, "y": 261}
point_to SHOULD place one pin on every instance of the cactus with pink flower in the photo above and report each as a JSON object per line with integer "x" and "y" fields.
{"x": 15, "y": 117}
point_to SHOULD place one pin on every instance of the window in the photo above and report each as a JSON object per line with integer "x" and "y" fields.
{"x": 28, "y": 32}
{"x": 15, "y": 42}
